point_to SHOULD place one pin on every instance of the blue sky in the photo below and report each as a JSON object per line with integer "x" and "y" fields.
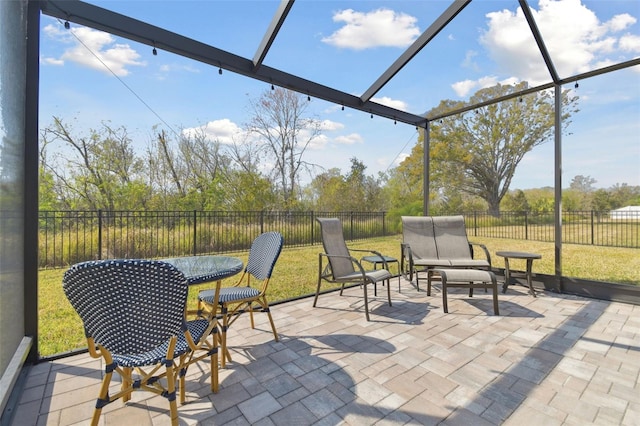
{"x": 347, "y": 45}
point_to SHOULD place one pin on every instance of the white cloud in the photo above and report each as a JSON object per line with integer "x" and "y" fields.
{"x": 393, "y": 103}
{"x": 576, "y": 39}
{"x": 464, "y": 88}
{"x": 319, "y": 142}
{"x": 225, "y": 131}
{"x": 381, "y": 27}
{"x": 350, "y": 139}
{"x": 620, "y": 22}
{"x": 629, "y": 43}
{"x": 329, "y": 125}
{"x": 93, "y": 49}
{"x": 469, "y": 61}
{"x": 52, "y": 61}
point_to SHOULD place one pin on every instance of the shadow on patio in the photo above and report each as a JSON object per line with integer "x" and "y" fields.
{"x": 554, "y": 359}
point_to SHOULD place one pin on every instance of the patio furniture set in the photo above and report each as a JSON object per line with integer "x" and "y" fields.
{"x": 435, "y": 246}
{"x": 136, "y": 318}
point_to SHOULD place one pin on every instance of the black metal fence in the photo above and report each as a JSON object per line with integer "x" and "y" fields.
{"x": 67, "y": 237}
{"x": 600, "y": 228}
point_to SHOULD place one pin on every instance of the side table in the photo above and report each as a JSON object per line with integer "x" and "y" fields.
{"x": 377, "y": 260}
{"x": 530, "y": 257}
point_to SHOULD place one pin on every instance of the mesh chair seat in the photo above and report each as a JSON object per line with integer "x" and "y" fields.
{"x": 373, "y": 276}
{"x": 229, "y": 294}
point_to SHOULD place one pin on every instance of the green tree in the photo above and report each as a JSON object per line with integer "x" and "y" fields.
{"x": 247, "y": 191}
{"x": 405, "y": 183}
{"x": 478, "y": 152}
{"x": 327, "y": 190}
{"x": 187, "y": 170}
{"x": 98, "y": 171}
{"x": 582, "y": 183}
{"x": 355, "y": 191}
{"x": 622, "y": 195}
{"x": 515, "y": 201}
{"x": 601, "y": 200}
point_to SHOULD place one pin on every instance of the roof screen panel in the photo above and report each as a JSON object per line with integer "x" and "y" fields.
{"x": 589, "y": 35}
{"x": 487, "y": 43}
{"x": 234, "y": 26}
{"x": 348, "y": 44}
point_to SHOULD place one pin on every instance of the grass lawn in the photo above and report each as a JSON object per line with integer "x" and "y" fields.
{"x": 296, "y": 274}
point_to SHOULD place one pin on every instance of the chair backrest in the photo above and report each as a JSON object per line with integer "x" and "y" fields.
{"x": 451, "y": 237}
{"x": 418, "y": 232}
{"x": 334, "y": 244}
{"x": 263, "y": 254}
{"x": 128, "y": 306}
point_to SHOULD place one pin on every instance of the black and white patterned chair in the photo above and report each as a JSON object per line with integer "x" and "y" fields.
{"x": 133, "y": 313}
{"x": 234, "y": 301}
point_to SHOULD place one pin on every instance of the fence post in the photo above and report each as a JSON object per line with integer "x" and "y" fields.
{"x": 100, "y": 234}
{"x": 384, "y": 224}
{"x": 475, "y": 223}
{"x": 351, "y": 225}
{"x": 195, "y": 233}
{"x": 311, "y": 217}
{"x": 526, "y": 225}
{"x": 592, "y": 228}
{"x": 262, "y": 221}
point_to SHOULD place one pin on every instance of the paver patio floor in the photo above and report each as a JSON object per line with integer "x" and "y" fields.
{"x": 550, "y": 360}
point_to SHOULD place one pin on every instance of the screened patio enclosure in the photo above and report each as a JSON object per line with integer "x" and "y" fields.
{"x": 342, "y": 82}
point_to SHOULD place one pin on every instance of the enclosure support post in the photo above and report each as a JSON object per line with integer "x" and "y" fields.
{"x": 558, "y": 185}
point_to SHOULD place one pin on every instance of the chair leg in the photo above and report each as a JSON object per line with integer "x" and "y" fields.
{"x": 445, "y": 307}
{"x": 494, "y": 286}
{"x": 223, "y": 336}
{"x": 171, "y": 384}
{"x": 182, "y": 372}
{"x": 389, "y": 291}
{"x": 103, "y": 398}
{"x": 315, "y": 299}
{"x": 366, "y": 301}
{"x": 273, "y": 326}
{"x": 265, "y": 307}
{"x": 250, "y": 309}
{"x": 213, "y": 359}
{"x": 126, "y": 382}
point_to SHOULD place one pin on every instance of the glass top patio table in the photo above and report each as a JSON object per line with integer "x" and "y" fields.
{"x": 202, "y": 269}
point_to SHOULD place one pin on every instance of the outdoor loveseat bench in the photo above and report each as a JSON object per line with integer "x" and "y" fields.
{"x": 430, "y": 242}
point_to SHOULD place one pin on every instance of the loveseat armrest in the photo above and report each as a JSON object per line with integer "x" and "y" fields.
{"x": 406, "y": 261}
{"x": 484, "y": 249}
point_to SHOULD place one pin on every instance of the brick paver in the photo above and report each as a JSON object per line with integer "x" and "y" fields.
{"x": 552, "y": 360}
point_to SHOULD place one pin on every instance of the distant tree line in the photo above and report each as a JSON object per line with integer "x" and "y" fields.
{"x": 474, "y": 157}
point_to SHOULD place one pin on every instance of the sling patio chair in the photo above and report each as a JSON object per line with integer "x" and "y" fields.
{"x": 242, "y": 297}
{"x": 343, "y": 268}
{"x": 133, "y": 312}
